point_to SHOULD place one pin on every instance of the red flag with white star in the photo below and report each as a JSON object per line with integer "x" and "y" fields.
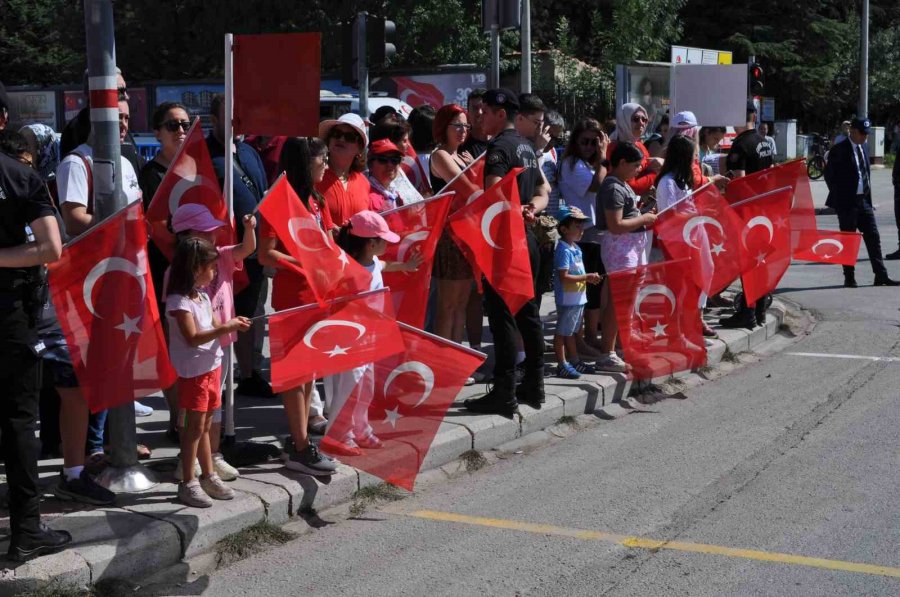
{"x": 468, "y": 184}
{"x": 313, "y": 341}
{"x": 829, "y": 246}
{"x": 190, "y": 178}
{"x": 766, "y": 241}
{"x": 658, "y": 312}
{"x": 107, "y": 308}
{"x": 419, "y": 226}
{"x": 703, "y": 227}
{"x": 415, "y": 172}
{"x": 328, "y": 269}
{"x": 402, "y": 401}
{"x": 491, "y": 232}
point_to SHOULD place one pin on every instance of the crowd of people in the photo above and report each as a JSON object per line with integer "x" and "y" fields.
{"x": 600, "y": 182}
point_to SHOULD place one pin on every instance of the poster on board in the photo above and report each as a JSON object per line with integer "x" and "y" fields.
{"x": 30, "y": 107}
{"x": 196, "y": 98}
{"x": 649, "y": 87}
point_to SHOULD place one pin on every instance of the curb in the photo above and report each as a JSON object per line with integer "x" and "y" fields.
{"x": 149, "y": 532}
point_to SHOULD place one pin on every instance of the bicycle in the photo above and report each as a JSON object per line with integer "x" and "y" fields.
{"x": 815, "y": 163}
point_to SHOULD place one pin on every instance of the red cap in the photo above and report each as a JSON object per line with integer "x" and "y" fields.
{"x": 384, "y": 146}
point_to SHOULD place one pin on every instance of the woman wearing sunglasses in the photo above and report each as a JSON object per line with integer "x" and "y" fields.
{"x": 631, "y": 125}
{"x": 581, "y": 171}
{"x": 389, "y": 186}
{"x": 171, "y": 122}
{"x": 344, "y": 187}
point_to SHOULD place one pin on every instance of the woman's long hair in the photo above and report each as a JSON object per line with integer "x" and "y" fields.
{"x": 571, "y": 154}
{"x": 296, "y": 156}
{"x": 679, "y": 162}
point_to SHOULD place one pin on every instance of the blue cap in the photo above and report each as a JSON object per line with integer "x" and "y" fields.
{"x": 570, "y": 213}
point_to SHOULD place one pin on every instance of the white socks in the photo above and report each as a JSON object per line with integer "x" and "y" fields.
{"x": 72, "y": 473}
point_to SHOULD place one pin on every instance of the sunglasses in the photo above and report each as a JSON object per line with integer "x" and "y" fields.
{"x": 173, "y": 125}
{"x": 589, "y": 141}
{"x": 460, "y": 126}
{"x": 383, "y": 159}
{"x": 642, "y": 119}
{"x": 123, "y": 92}
{"x": 348, "y": 136}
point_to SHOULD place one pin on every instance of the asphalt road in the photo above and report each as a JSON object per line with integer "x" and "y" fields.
{"x": 780, "y": 478}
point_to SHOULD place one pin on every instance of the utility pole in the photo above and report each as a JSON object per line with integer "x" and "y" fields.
{"x": 362, "y": 66}
{"x": 526, "y": 46}
{"x": 495, "y": 56}
{"x": 125, "y": 473}
{"x": 862, "y": 110}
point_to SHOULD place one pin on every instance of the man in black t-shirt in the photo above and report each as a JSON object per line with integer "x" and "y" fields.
{"x": 508, "y": 149}
{"x": 750, "y": 152}
{"x": 24, "y": 201}
{"x": 477, "y": 141}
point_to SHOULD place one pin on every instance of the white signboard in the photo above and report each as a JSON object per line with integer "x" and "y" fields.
{"x": 685, "y": 55}
{"x": 716, "y": 94}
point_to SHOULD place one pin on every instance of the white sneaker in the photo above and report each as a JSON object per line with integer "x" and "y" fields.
{"x": 215, "y": 488}
{"x": 611, "y": 363}
{"x": 141, "y": 410}
{"x": 223, "y": 469}
{"x": 179, "y": 473}
{"x": 191, "y": 494}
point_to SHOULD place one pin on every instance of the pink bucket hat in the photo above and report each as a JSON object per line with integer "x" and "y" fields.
{"x": 368, "y": 224}
{"x": 193, "y": 216}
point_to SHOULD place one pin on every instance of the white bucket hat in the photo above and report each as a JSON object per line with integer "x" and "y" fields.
{"x": 350, "y": 119}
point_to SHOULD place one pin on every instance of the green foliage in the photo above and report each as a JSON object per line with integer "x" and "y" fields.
{"x": 430, "y": 20}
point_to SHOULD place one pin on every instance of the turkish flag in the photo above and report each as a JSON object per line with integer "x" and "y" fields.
{"x": 328, "y": 269}
{"x": 419, "y": 225}
{"x": 832, "y": 247}
{"x": 704, "y": 228}
{"x": 107, "y": 308}
{"x": 276, "y": 84}
{"x": 415, "y": 172}
{"x": 310, "y": 342}
{"x": 416, "y": 93}
{"x": 492, "y": 231}
{"x": 766, "y": 241}
{"x": 404, "y": 398}
{"x": 468, "y": 184}
{"x": 190, "y": 178}
{"x": 658, "y": 313}
{"x": 789, "y": 174}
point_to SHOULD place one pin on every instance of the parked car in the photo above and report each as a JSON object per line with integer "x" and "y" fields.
{"x": 332, "y": 105}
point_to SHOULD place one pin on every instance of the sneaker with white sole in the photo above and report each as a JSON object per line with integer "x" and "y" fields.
{"x": 191, "y": 494}
{"x": 308, "y": 460}
{"x": 141, "y": 410}
{"x": 216, "y": 488}
{"x": 223, "y": 469}
{"x": 179, "y": 472}
{"x": 566, "y": 371}
{"x": 611, "y": 363}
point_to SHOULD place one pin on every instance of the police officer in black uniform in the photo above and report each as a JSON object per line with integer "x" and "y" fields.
{"x": 24, "y": 201}
{"x": 505, "y": 120}
{"x": 750, "y": 152}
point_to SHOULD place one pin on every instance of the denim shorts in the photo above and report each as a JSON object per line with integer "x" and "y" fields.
{"x": 567, "y": 319}
{"x": 56, "y": 357}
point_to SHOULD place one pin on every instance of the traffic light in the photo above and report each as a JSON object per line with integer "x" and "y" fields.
{"x": 757, "y": 79}
{"x": 379, "y": 35}
{"x": 350, "y": 53}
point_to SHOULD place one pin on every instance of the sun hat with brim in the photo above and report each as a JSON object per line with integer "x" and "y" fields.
{"x": 193, "y": 216}
{"x": 368, "y": 224}
{"x": 384, "y": 147}
{"x": 350, "y": 119}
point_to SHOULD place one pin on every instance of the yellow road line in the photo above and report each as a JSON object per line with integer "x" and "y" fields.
{"x": 654, "y": 545}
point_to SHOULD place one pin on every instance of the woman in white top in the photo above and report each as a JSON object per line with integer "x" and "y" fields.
{"x": 581, "y": 171}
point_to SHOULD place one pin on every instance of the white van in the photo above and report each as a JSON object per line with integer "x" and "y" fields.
{"x": 333, "y": 105}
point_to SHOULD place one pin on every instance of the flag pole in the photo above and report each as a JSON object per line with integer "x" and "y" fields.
{"x": 228, "y": 403}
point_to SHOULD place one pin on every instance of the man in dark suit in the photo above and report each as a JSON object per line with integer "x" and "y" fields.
{"x": 895, "y": 175}
{"x": 850, "y": 195}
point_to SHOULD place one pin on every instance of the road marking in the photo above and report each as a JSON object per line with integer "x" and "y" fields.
{"x": 655, "y": 545}
{"x": 858, "y": 357}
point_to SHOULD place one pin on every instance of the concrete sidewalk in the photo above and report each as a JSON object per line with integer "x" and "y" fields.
{"x": 150, "y": 532}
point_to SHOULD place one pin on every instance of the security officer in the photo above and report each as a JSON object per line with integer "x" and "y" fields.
{"x": 24, "y": 201}
{"x": 848, "y": 178}
{"x": 508, "y": 122}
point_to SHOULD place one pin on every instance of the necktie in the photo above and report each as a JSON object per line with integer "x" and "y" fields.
{"x": 863, "y": 169}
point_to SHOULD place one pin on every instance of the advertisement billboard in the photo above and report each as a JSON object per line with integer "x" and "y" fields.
{"x": 29, "y": 107}
{"x": 196, "y": 98}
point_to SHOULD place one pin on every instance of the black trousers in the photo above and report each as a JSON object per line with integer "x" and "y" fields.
{"x": 20, "y": 379}
{"x": 504, "y": 327}
{"x": 897, "y": 209}
{"x": 860, "y": 216}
